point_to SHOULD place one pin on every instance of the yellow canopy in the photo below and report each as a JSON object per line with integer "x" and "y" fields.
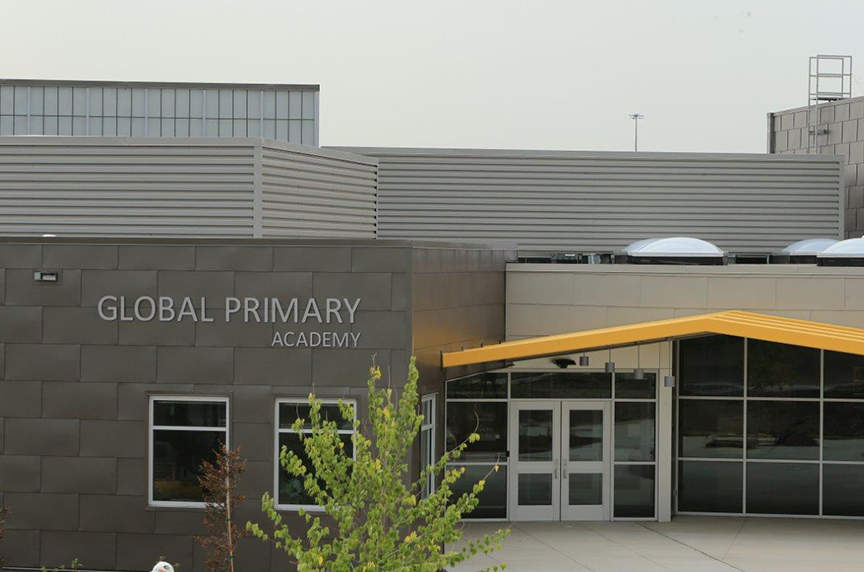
{"x": 733, "y": 323}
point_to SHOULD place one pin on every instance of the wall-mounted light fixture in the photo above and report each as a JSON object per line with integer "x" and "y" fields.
{"x": 638, "y": 373}
{"x": 46, "y": 276}
{"x": 669, "y": 381}
{"x": 584, "y": 361}
{"x": 563, "y": 363}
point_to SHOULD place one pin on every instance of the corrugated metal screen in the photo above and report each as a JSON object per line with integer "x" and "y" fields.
{"x": 232, "y": 187}
{"x": 551, "y": 202}
{"x": 318, "y": 193}
{"x": 93, "y": 187}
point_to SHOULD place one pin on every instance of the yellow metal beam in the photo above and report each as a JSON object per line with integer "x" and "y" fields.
{"x": 733, "y": 323}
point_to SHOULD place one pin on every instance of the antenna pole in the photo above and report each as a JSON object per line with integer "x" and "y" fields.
{"x": 636, "y": 117}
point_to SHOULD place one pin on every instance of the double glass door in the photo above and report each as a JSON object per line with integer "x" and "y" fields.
{"x": 560, "y": 460}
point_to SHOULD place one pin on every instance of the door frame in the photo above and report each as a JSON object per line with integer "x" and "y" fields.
{"x": 602, "y": 512}
{"x": 543, "y": 512}
{"x": 558, "y": 511}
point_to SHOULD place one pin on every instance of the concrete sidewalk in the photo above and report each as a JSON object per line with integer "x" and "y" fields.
{"x": 693, "y": 544}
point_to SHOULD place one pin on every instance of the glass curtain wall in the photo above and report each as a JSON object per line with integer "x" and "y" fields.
{"x": 158, "y": 112}
{"x": 480, "y": 404}
{"x": 769, "y": 429}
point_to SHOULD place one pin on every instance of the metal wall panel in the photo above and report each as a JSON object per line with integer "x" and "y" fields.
{"x": 99, "y": 187}
{"x": 193, "y": 187}
{"x": 317, "y": 193}
{"x": 575, "y": 201}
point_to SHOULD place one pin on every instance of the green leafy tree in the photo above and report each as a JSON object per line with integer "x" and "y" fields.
{"x": 375, "y": 517}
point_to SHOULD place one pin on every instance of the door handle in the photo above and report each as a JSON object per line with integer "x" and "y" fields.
{"x": 564, "y": 471}
{"x": 556, "y": 471}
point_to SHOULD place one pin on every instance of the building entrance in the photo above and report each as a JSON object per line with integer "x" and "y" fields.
{"x": 560, "y": 460}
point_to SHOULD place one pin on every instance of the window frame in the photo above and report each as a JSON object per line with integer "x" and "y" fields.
{"x": 151, "y": 441}
{"x": 276, "y": 449}
{"x": 430, "y": 426}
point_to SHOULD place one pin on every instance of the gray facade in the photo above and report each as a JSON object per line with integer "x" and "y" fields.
{"x": 74, "y": 388}
{"x": 841, "y": 132}
{"x": 198, "y": 187}
{"x": 582, "y": 201}
{"x": 143, "y": 109}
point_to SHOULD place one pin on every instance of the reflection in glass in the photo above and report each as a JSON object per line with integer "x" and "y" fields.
{"x": 711, "y": 428}
{"x": 189, "y": 413}
{"x": 484, "y": 385}
{"x": 844, "y": 375}
{"x": 585, "y": 488}
{"x": 711, "y": 365}
{"x": 177, "y": 458}
{"x": 586, "y": 435}
{"x": 561, "y": 385}
{"x": 290, "y": 412}
{"x": 782, "y": 488}
{"x": 841, "y": 490}
{"x": 493, "y": 498}
{"x": 535, "y": 489}
{"x": 488, "y": 419}
{"x": 634, "y": 431}
{"x": 634, "y": 491}
{"x": 292, "y": 488}
{"x": 710, "y": 486}
{"x": 627, "y": 387}
{"x": 844, "y": 431}
{"x": 783, "y": 430}
{"x": 781, "y": 370}
{"x": 535, "y": 435}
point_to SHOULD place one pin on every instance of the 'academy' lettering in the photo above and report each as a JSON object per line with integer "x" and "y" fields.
{"x": 316, "y": 340}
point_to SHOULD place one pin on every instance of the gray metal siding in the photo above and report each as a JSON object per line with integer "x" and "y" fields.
{"x": 601, "y": 201}
{"x": 318, "y": 194}
{"x": 240, "y": 187}
{"x": 94, "y": 187}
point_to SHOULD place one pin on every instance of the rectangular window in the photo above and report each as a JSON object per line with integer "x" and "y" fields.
{"x": 184, "y": 432}
{"x": 427, "y": 440}
{"x": 290, "y": 490}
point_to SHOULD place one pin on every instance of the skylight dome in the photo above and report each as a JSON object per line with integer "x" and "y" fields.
{"x": 675, "y": 246}
{"x": 851, "y": 248}
{"x": 808, "y": 246}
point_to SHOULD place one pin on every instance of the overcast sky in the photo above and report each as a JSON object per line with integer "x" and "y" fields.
{"x": 536, "y": 74}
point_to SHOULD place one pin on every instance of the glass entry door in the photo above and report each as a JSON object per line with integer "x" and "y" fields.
{"x": 560, "y": 453}
{"x": 585, "y": 461}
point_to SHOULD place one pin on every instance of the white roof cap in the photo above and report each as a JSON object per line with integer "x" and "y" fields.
{"x": 808, "y": 246}
{"x": 682, "y": 246}
{"x": 850, "y": 248}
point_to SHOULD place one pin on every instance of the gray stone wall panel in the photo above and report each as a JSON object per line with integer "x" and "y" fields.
{"x": 42, "y": 511}
{"x": 41, "y": 437}
{"x": 53, "y": 362}
{"x": 80, "y": 256}
{"x": 20, "y": 324}
{"x": 21, "y": 473}
{"x": 21, "y": 290}
{"x": 132, "y": 284}
{"x": 195, "y": 365}
{"x": 119, "y": 364}
{"x": 82, "y": 400}
{"x": 79, "y": 475}
{"x": 77, "y": 326}
{"x": 147, "y": 257}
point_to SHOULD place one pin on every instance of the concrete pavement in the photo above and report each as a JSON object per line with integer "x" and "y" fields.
{"x": 692, "y": 544}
